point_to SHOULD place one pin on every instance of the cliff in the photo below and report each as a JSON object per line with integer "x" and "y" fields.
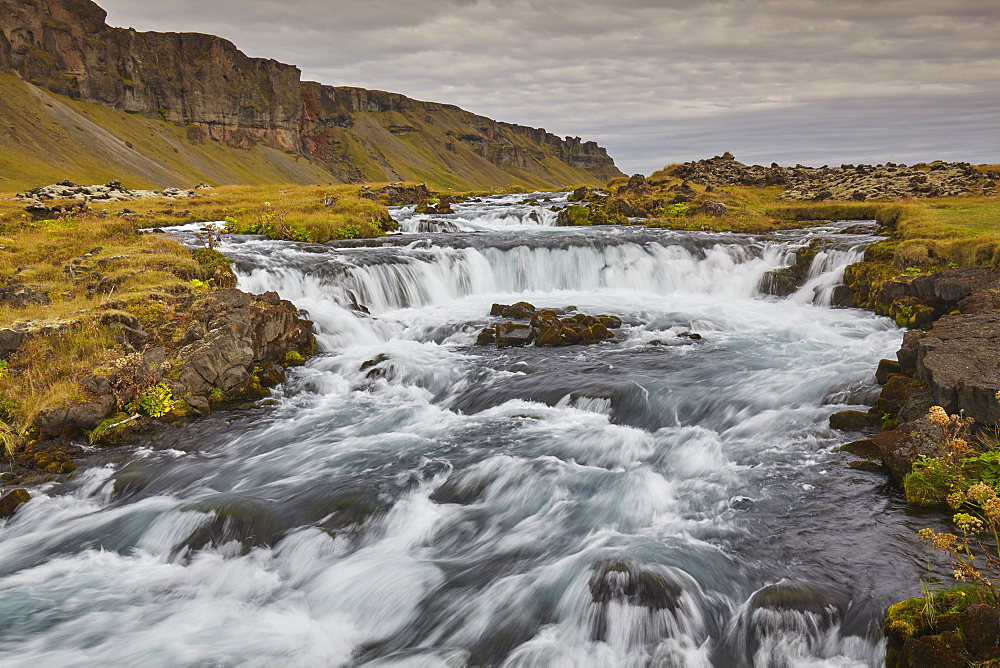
{"x": 212, "y": 90}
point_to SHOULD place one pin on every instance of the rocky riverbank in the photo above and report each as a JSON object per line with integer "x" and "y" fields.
{"x": 953, "y": 361}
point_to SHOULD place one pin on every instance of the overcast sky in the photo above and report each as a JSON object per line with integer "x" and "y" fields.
{"x": 656, "y": 82}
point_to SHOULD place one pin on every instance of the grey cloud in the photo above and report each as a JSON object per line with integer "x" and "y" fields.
{"x": 654, "y": 81}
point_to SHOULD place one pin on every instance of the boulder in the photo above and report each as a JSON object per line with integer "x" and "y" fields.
{"x": 513, "y": 334}
{"x": 900, "y": 447}
{"x": 852, "y": 421}
{"x": 713, "y": 208}
{"x": 10, "y": 501}
{"x": 396, "y": 194}
{"x": 959, "y": 361}
{"x": 625, "y": 581}
{"x": 19, "y": 296}
{"x": 886, "y": 367}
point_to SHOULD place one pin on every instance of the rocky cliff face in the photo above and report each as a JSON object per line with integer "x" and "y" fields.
{"x": 207, "y": 84}
{"x": 185, "y": 78}
{"x": 403, "y": 137}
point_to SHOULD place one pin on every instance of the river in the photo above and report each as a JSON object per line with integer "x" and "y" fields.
{"x": 650, "y": 500}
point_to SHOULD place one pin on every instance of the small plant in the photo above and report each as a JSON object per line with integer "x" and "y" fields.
{"x": 4, "y": 369}
{"x": 111, "y": 429}
{"x": 198, "y": 284}
{"x": 157, "y": 401}
{"x": 911, "y": 271}
{"x": 210, "y": 235}
{"x": 294, "y": 358}
{"x": 959, "y": 476}
{"x": 216, "y": 395}
{"x": 350, "y": 231}
{"x": 676, "y": 210}
{"x": 9, "y": 439}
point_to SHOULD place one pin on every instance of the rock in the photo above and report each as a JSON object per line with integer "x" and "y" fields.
{"x": 940, "y": 651}
{"x": 847, "y": 182}
{"x": 595, "y": 334}
{"x": 741, "y": 503}
{"x": 959, "y": 361}
{"x": 49, "y": 456}
{"x": 67, "y": 420}
{"x": 689, "y": 335}
{"x": 486, "y": 337}
{"x": 10, "y": 501}
{"x": 396, "y": 194}
{"x": 865, "y": 448}
{"x": 713, "y": 208}
{"x": 792, "y": 596}
{"x": 625, "y": 581}
{"x": 865, "y": 465}
{"x": 199, "y": 405}
{"x": 783, "y": 282}
{"x": 900, "y": 447}
{"x": 851, "y": 421}
{"x": 518, "y": 311}
{"x": 513, "y": 334}
{"x": 886, "y": 367}
{"x": 460, "y": 488}
{"x": 15, "y": 336}
{"x": 19, "y": 296}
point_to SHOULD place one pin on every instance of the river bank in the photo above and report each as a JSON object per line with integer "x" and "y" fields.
{"x": 679, "y": 429}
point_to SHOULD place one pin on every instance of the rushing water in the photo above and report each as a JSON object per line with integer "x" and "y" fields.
{"x": 651, "y": 500}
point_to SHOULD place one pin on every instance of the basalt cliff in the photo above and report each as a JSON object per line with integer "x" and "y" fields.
{"x": 211, "y": 104}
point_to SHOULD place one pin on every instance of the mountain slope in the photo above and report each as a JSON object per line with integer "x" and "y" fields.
{"x": 194, "y": 105}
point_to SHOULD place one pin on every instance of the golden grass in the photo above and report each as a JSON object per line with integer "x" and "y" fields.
{"x": 44, "y": 371}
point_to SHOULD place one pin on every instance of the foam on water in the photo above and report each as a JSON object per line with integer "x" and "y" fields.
{"x": 449, "y": 504}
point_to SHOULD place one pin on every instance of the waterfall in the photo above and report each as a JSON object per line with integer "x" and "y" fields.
{"x": 413, "y": 498}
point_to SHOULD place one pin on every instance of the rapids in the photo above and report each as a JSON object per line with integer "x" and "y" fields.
{"x": 646, "y": 501}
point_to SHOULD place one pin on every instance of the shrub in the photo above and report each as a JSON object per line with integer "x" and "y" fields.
{"x": 968, "y": 483}
{"x": 157, "y": 401}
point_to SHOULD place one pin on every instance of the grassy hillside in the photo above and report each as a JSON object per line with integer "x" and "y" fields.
{"x": 428, "y": 148}
{"x": 46, "y": 137}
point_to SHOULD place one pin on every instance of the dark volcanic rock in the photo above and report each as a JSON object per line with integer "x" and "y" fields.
{"x": 396, "y": 194}
{"x": 847, "y": 182}
{"x": 959, "y": 361}
{"x": 19, "y": 296}
{"x": 902, "y": 446}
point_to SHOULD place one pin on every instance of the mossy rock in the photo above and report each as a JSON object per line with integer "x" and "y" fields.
{"x": 866, "y": 465}
{"x": 885, "y": 369}
{"x": 851, "y": 421}
{"x": 12, "y": 500}
{"x": 864, "y": 448}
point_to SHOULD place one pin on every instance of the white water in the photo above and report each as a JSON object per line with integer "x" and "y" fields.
{"x": 455, "y": 507}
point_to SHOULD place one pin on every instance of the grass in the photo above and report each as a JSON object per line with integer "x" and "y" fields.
{"x": 98, "y": 269}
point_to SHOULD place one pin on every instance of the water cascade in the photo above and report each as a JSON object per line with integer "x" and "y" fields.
{"x": 415, "y": 499}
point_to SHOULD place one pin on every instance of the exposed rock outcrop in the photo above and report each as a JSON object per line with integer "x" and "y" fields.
{"x": 113, "y": 191}
{"x": 846, "y": 182}
{"x": 955, "y": 364}
{"x": 234, "y": 346}
{"x": 546, "y": 327}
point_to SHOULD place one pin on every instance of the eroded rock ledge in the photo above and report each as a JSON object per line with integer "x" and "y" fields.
{"x": 234, "y": 346}
{"x": 955, "y": 364}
